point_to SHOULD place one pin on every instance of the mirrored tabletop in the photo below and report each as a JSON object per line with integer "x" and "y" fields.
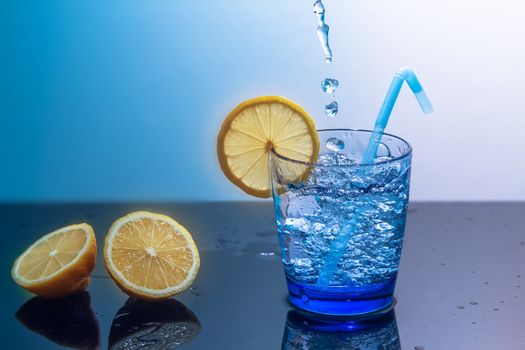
{"x": 461, "y": 285}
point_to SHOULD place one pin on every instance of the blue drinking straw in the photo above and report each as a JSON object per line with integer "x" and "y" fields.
{"x": 404, "y": 74}
{"x": 338, "y": 246}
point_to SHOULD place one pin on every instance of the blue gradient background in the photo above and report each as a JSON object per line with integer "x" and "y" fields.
{"x": 122, "y": 100}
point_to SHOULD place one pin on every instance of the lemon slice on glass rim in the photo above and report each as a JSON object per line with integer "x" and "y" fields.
{"x": 256, "y": 126}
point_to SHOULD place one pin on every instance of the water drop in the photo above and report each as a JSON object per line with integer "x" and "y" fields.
{"x": 266, "y": 253}
{"x": 419, "y": 347}
{"x": 322, "y": 30}
{"x": 194, "y": 291}
{"x": 319, "y": 8}
{"x": 334, "y": 144}
{"x": 460, "y": 307}
{"x": 473, "y": 303}
{"x": 331, "y": 109}
{"x": 329, "y": 85}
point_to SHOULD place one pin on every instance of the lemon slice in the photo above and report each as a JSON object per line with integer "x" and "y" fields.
{"x": 150, "y": 255}
{"x": 59, "y": 263}
{"x": 250, "y": 131}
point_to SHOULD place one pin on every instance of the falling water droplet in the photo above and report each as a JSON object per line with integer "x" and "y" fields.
{"x": 322, "y": 30}
{"x": 194, "y": 291}
{"x": 329, "y": 85}
{"x": 319, "y": 8}
{"x": 331, "y": 109}
{"x": 335, "y": 144}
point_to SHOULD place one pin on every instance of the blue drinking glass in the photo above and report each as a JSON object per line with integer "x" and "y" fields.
{"x": 341, "y": 223}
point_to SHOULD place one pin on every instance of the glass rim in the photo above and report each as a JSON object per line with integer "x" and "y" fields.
{"x": 310, "y": 164}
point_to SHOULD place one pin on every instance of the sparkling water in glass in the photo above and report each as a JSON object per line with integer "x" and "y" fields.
{"x": 341, "y": 223}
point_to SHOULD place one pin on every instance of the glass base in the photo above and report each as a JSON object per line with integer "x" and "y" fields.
{"x": 343, "y": 302}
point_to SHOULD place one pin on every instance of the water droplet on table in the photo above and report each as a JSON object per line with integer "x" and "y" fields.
{"x": 335, "y": 144}
{"x": 266, "y": 253}
{"x": 329, "y": 85}
{"x": 473, "y": 303}
{"x": 331, "y": 109}
{"x": 419, "y": 347}
{"x": 460, "y": 307}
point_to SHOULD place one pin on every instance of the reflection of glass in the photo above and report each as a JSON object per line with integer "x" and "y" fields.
{"x": 68, "y": 321}
{"x": 305, "y": 331}
{"x": 341, "y": 223}
{"x": 142, "y": 324}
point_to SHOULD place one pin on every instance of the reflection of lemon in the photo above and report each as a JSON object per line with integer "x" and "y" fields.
{"x": 59, "y": 263}
{"x": 141, "y": 323}
{"x": 68, "y": 322}
{"x": 150, "y": 255}
{"x": 252, "y": 128}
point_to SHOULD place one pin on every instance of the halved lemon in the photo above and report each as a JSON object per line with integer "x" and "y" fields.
{"x": 59, "y": 263}
{"x": 250, "y": 131}
{"x": 150, "y": 255}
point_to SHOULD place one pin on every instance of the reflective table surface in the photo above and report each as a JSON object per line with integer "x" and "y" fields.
{"x": 461, "y": 285}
